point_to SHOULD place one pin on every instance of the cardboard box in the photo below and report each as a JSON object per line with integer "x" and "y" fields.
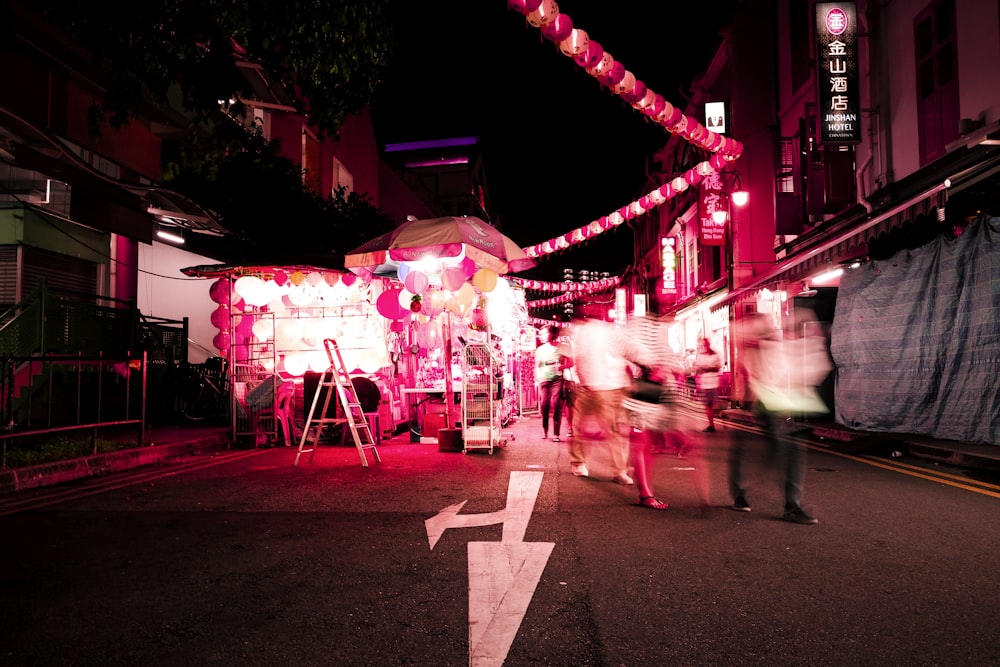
{"x": 432, "y": 424}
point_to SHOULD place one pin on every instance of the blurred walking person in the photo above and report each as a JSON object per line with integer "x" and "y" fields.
{"x": 783, "y": 372}
{"x": 654, "y": 418}
{"x": 566, "y": 398}
{"x": 600, "y": 369}
{"x": 548, "y": 374}
{"x": 707, "y": 364}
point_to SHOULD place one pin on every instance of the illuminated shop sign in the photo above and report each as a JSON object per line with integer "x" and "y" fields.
{"x": 715, "y": 117}
{"x": 713, "y": 232}
{"x": 668, "y": 258}
{"x": 837, "y": 73}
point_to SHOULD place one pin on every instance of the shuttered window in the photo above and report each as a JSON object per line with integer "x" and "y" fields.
{"x": 59, "y": 271}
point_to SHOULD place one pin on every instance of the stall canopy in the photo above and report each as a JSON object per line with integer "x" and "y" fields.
{"x": 440, "y": 237}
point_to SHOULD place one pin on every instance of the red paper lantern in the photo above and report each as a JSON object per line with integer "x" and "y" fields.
{"x": 545, "y": 13}
{"x": 591, "y": 55}
{"x": 637, "y": 93}
{"x": 524, "y": 6}
{"x": 613, "y": 76}
{"x": 220, "y": 291}
{"x": 559, "y": 29}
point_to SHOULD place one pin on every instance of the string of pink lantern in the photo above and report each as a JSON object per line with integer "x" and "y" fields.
{"x": 647, "y": 202}
{"x": 598, "y": 63}
{"x": 566, "y": 298}
{"x": 592, "y": 286}
{"x": 539, "y": 322}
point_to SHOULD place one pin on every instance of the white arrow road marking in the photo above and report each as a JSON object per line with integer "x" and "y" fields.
{"x": 502, "y": 575}
{"x": 450, "y": 518}
{"x": 521, "y": 493}
{"x": 502, "y": 579}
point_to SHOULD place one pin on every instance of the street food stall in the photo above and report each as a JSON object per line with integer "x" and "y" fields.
{"x": 452, "y": 297}
{"x": 272, "y": 321}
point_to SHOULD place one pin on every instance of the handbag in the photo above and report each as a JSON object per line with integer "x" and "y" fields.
{"x": 646, "y": 390}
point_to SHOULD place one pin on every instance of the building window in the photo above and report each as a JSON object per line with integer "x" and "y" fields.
{"x": 937, "y": 78}
{"x": 342, "y": 177}
{"x": 798, "y": 34}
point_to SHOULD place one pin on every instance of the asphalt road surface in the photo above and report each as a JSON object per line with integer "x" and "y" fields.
{"x": 245, "y": 559}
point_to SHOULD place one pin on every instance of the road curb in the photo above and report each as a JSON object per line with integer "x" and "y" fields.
{"x": 47, "y": 474}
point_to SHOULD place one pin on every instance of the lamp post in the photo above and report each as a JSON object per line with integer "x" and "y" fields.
{"x": 721, "y": 216}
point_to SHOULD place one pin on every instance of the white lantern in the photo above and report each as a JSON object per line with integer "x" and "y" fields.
{"x": 296, "y": 364}
{"x": 288, "y": 332}
{"x": 576, "y": 43}
{"x": 544, "y": 15}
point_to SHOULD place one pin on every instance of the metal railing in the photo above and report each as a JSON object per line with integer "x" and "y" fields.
{"x": 46, "y": 394}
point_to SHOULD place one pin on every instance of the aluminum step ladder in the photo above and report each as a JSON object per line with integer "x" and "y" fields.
{"x": 336, "y": 379}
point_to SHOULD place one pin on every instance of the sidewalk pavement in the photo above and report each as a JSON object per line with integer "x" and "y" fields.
{"x": 846, "y": 440}
{"x": 177, "y": 441}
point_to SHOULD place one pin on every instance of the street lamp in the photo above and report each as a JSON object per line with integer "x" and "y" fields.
{"x": 738, "y": 198}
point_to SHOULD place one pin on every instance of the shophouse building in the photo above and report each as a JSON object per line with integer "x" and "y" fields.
{"x": 871, "y": 160}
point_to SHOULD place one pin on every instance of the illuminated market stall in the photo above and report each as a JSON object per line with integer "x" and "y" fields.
{"x": 464, "y": 320}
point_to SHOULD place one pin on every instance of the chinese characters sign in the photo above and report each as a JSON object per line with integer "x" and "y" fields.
{"x": 837, "y": 73}
{"x": 668, "y": 257}
{"x": 709, "y": 201}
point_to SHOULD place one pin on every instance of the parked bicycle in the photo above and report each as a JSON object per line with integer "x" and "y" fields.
{"x": 203, "y": 390}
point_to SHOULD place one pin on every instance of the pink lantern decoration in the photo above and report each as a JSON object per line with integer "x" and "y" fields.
{"x": 241, "y": 353}
{"x": 559, "y": 29}
{"x": 626, "y": 85}
{"x": 524, "y": 6}
{"x": 348, "y": 279}
{"x": 636, "y": 93}
{"x": 388, "y": 306}
{"x": 613, "y": 76}
{"x": 403, "y": 270}
{"x": 416, "y": 282}
{"x": 220, "y": 317}
{"x": 601, "y": 66}
{"x": 332, "y": 279}
{"x": 221, "y": 341}
{"x": 477, "y": 318}
{"x": 452, "y": 278}
{"x": 545, "y": 13}
{"x": 220, "y": 290}
{"x": 468, "y": 267}
{"x": 591, "y": 55}
{"x": 280, "y": 277}
{"x": 645, "y": 101}
{"x": 655, "y": 107}
{"x": 575, "y": 44}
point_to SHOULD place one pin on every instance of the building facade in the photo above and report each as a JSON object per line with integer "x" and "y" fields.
{"x": 871, "y": 135}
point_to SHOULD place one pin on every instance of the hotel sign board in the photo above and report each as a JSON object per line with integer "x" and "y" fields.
{"x": 839, "y": 109}
{"x": 710, "y": 200}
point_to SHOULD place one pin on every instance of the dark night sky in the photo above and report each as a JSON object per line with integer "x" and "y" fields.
{"x": 559, "y": 149}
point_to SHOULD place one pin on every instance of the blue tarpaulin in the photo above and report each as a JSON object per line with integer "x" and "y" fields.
{"x": 916, "y": 340}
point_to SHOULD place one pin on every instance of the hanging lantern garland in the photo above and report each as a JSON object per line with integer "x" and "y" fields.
{"x": 594, "y": 286}
{"x": 598, "y": 63}
{"x": 576, "y": 291}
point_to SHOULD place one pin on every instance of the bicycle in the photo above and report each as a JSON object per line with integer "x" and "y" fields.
{"x": 203, "y": 390}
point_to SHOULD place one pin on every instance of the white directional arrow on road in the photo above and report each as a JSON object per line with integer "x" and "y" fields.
{"x": 502, "y": 575}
